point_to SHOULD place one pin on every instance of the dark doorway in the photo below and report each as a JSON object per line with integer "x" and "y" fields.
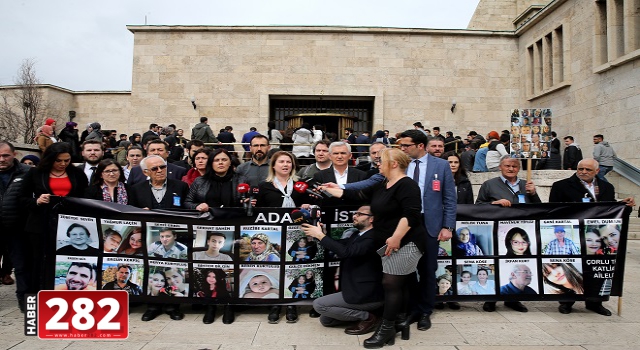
{"x": 333, "y": 113}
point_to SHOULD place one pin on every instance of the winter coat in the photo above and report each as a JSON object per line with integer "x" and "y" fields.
{"x": 203, "y": 132}
{"x": 604, "y": 153}
{"x": 302, "y": 136}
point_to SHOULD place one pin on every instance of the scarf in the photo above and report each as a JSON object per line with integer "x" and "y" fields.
{"x": 288, "y": 201}
{"x": 269, "y": 250}
{"x": 121, "y": 194}
{"x": 468, "y": 248}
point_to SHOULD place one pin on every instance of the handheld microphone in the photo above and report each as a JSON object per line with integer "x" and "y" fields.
{"x": 316, "y": 186}
{"x": 303, "y": 187}
{"x": 252, "y": 195}
{"x": 243, "y": 189}
{"x": 298, "y": 217}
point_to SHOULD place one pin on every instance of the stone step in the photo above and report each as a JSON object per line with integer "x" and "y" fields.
{"x": 634, "y": 226}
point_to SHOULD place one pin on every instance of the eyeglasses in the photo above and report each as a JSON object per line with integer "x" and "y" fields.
{"x": 361, "y": 214}
{"x": 524, "y": 272}
{"x": 406, "y": 145}
{"x": 113, "y": 171}
{"x": 159, "y": 167}
{"x": 520, "y": 243}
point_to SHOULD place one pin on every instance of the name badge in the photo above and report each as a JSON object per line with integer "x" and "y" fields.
{"x": 586, "y": 200}
{"x": 521, "y": 198}
{"x": 176, "y": 200}
{"x": 435, "y": 185}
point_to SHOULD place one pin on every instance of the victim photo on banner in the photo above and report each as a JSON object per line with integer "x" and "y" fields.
{"x": 267, "y": 259}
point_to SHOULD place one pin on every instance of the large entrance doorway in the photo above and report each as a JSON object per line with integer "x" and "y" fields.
{"x": 332, "y": 113}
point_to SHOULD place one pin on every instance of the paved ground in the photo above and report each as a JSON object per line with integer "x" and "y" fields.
{"x": 468, "y": 329}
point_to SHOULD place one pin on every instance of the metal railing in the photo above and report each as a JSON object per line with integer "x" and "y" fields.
{"x": 627, "y": 170}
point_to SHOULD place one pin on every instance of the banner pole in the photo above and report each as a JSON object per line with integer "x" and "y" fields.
{"x": 529, "y": 169}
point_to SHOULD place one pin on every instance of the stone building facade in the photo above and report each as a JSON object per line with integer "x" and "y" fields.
{"x": 574, "y": 56}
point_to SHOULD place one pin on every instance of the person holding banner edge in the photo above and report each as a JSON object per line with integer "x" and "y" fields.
{"x": 505, "y": 190}
{"x": 583, "y": 186}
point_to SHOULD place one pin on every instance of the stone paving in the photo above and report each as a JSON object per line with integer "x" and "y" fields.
{"x": 468, "y": 329}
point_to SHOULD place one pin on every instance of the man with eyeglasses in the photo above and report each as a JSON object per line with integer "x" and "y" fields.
{"x": 505, "y": 190}
{"x": 519, "y": 281}
{"x": 160, "y": 192}
{"x": 583, "y": 186}
{"x": 360, "y": 277}
{"x": 255, "y": 171}
{"x": 161, "y": 149}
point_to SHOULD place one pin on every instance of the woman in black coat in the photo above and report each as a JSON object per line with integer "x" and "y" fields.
{"x": 109, "y": 184}
{"x": 42, "y": 188}
{"x": 463, "y": 185}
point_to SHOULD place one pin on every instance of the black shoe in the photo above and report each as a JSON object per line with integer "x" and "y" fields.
{"x": 228, "y": 316}
{"x": 453, "y": 305}
{"x": 516, "y": 305}
{"x": 274, "y": 314}
{"x": 384, "y": 335}
{"x": 599, "y": 309}
{"x": 564, "y": 309}
{"x": 438, "y": 306}
{"x": 292, "y": 314}
{"x": 209, "y": 314}
{"x": 150, "y": 314}
{"x": 424, "y": 323}
{"x": 175, "y": 314}
{"x": 313, "y": 313}
{"x": 489, "y": 306}
{"x": 21, "y": 304}
{"x": 365, "y": 326}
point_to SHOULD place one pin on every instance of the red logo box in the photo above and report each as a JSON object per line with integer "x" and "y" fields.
{"x": 83, "y": 314}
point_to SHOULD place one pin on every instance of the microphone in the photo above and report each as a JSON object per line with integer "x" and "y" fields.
{"x": 298, "y": 217}
{"x": 316, "y": 186}
{"x": 252, "y": 195}
{"x": 304, "y": 216}
{"x": 243, "y": 189}
{"x": 303, "y": 187}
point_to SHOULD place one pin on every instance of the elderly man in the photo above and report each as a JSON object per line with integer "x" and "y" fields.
{"x": 339, "y": 172}
{"x": 360, "y": 277}
{"x": 80, "y": 276}
{"x": 158, "y": 148}
{"x": 519, "y": 281}
{"x": 79, "y": 238}
{"x": 583, "y": 186}
{"x": 561, "y": 245}
{"x": 167, "y": 246}
{"x": 159, "y": 192}
{"x": 505, "y": 190}
{"x": 371, "y": 168}
{"x": 122, "y": 281}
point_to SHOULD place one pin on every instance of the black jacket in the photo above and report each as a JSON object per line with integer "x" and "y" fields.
{"x": 10, "y": 195}
{"x": 36, "y": 182}
{"x": 199, "y": 189}
{"x": 270, "y": 196}
{"x": 328, "y": 175}
{"x": 142, "y": 197}
{"x": 572, "y": 155}
{"x": 571, "y": 190}
{"x": 360, "y": 267}
{"x": 465, "y": 191}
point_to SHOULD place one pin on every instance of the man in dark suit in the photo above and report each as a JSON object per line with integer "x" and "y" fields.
{"x": 339, "y": 172}
{"x": 159, "y": 148}
{"x": 153, "y": 131}
{"x": 439, "y": 214}
{"x": 227, "y": 136}
{"x": 360, "y": 277}
{"x": 92, "y": 153}
{"x": 371, "y": 168}
{"x": 159, "y": 192}
{"x": 584, "y": 187}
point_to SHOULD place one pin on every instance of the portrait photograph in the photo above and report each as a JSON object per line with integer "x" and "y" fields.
{"x": 472, "y": 239}
{"x": 168, "y": 241}
{"x": 560, "y": 237}
{"x": 519, "y": 277}
{"x": 301, "y": 248}
{"x": 562, "y": 277}
{"x": 301, "y": 282}
{"x": 517, "y": 238}
{"x": 475, "y": 278}
{"x": 601, "y": 239}
{"x": 213, "y": 283}
{"x": 77, "y": 236}
{"x": 213, "y": 243}
{"x": 115, "y": 234}
{"x": 260, "y": 243}
{"x": 168, "y": 280}
{"x": 73, "y": 273}
{"x": 259, "y": 283}
{"x": 123, "y": 274}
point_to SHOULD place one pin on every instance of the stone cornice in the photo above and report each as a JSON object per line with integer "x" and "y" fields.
{"x": 54, "y": 87}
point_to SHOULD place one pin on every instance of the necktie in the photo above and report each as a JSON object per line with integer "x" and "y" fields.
{"x": 93, "y": 173}
{"x": 416, "y": 171}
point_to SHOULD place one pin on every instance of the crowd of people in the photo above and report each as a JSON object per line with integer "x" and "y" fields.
{"x": 407, "y": 187}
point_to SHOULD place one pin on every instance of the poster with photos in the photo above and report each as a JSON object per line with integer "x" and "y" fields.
{"x": 602, "y": 236}
{"x": 168, "y": 279}
{"x": 530, "y": 134}
{"x": 260, "y": 243}
{"x": 445, "y": 275}
{"x": 519, "y": 276}
{"x": 300, "y": 248}
{"x": 77, "y": 236}
{"x": 76, "y": 273}
{"x": 301, "y": 282}
{"x": 259, "y": 281}
{"x": 168, "y": 240}
{"x": 119, "y": 273}
{"x": 562, "y": 276}
{"x": 517, "y": 238}
{"x": 214, "y": 243}
{"x": 560, "y": 237}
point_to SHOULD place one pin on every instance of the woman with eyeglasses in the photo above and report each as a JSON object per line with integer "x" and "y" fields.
{"x": 42, "y": 186}
{"x": 132, "y": 245}
{"x": 108, "y": 183}
{"x": 517, "y": 242}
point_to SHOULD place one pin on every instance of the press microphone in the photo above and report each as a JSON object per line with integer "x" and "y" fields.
{"x": 243, "y": 189}
{"x": 298, "y": 217}
{"x": 303, "y": 187}
{"x": 316, "y": 186}
{"x": 253, "y": 192}
{"x": 304, "y": 216}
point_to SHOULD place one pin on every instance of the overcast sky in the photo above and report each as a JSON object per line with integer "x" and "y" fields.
{"x": 85, "y": 45}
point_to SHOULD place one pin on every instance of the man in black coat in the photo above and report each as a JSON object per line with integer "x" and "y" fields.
{"x": 339, "y": 172}
{"x": 360, "y": 276}
{"x": 584, "y": 187}
{"x": 11, "y": 174}
{"x": 158, "y": 148}
{"x": 572, "y": 154}
{"x": 227, "y": 136}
